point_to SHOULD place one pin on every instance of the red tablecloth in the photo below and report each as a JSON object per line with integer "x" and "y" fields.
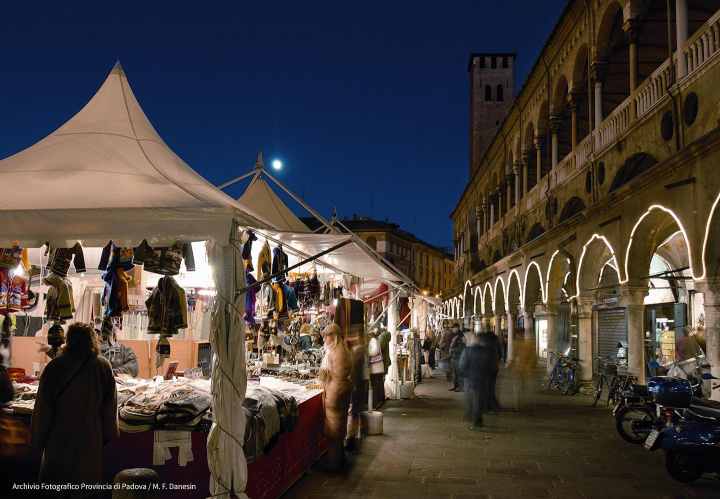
{"x": 269, "y": 477}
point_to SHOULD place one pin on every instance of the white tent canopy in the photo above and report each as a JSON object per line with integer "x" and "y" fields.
{"x": 260, "y": 198}
{"x": 107, "y": 168}
{"x": 349, "y": 259}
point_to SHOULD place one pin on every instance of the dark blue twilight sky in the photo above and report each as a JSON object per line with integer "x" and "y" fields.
{"x": 365, "y": 102}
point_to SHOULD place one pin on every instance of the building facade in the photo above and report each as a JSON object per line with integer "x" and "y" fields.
{"x": 590, "y": 218}
{"x": 432, "y": 269}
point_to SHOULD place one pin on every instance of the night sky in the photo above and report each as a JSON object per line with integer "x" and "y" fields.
{"x": 366, "y": 103}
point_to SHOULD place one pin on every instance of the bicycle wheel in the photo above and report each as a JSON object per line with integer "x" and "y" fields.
{"x": 613, "y": 390}
{"x": 598, "y": 389}
{"x": 570, "y": 382}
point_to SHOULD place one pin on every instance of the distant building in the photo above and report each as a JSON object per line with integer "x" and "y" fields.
{"x": 430, "y": 267}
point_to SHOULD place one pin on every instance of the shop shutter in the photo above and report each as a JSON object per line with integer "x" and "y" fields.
{"x": 612, "y": 328}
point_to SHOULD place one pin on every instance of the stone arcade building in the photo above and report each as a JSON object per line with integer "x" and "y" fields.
{"x": 590, "y": 217}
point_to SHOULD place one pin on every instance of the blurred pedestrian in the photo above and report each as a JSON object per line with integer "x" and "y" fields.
{"x": 476, "y": 363}
{"x": 492, "y": 342}
{"x": 524, "y": 362}
{"x": 457, "y": 345}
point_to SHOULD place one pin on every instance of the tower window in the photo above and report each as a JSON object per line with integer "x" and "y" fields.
{"x": 493, "y": 62}
{"x": 481, "y": 60}
{"x": 499, "y": 97}
{"x": 505, "y": 62}
{"x": 488, "y": 93}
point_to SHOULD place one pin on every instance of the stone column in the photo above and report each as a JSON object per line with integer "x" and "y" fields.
{"x": 598, "y": 75}
{"x": 552, "y": 340}
{"x": 526, "y": 155}
{"x": 498, "y": 324}
{"x": 509, "y": 177}
{"x": 511, "y": 336}
{"x": 632, "y": 298}
{"x": 492, "y": 210}
{"x": 499, "y": 196}
{"x": 585, "y": 344}
{"x": 516, "y": 172}
{"x": 555, "y": 123}
{"x": 710, "y": 288}
{"x": 478, "y": 224}
{"x": 572, "y": 104}
{"x": 486, "y": 214}
{"x": 539, "y": 146}
{"x": 681, "y": 30}
{"x": 631, "y": 32}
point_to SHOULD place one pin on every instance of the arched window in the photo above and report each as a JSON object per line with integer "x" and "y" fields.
{"x": 488, "y": 93}
{"x": 372, "y": 242}
{"x": 499, "y": 93}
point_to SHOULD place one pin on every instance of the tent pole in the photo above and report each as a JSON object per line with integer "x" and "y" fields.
{"x": 292, "y": 267}
{"x": 297, "y": 251}
{"x": 299, "y": 200}
{"x": 237, "y": 179}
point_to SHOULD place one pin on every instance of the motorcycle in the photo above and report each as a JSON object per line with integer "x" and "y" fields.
{"x": 692, "y": 443}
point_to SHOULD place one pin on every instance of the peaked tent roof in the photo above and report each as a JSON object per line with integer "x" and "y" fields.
{"x": 260, "y": 198}
{"x": 107, "y": 156}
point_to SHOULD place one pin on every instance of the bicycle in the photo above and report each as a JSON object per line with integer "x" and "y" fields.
{"x": 616, "y": 381}
{"x": 563, "y": 376}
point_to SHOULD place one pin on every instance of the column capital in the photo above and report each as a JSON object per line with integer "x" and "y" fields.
{"x": 556, "y": 122}
{"x": 633, "y": 294}
{"x": 572, "y": 99}
{"x": 631, "y": 28}
{"x": 598, "y": 70}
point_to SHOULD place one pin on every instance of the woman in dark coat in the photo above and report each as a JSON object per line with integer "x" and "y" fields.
{"x": 75, "y": 412}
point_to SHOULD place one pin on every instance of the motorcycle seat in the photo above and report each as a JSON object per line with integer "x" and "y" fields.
{"x": 705, "y": 407}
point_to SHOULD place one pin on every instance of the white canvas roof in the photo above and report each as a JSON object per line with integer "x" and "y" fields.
{"x": 350, "y": 259}
{"x": 107, "y": 172}
{"x": 260, "y": 198}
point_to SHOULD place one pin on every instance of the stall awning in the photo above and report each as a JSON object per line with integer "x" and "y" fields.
{"x": 350, "y": 259}
{"x": 105, "y": 169}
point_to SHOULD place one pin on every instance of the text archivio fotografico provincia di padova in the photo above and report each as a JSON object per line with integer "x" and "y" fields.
{"x": 64, "y": 487}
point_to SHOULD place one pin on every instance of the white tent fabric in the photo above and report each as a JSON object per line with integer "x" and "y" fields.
{"x": 107, "y": 165}
{"x": 260, "y": 198}
{"x": 107, "y": 174}
{"x": 350, "y": 259}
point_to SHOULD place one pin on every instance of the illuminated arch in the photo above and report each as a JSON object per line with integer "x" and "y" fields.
{"x": 465, "y": 297}
{"x": 488, "y": 287}
{"x": 540, "y": 280}
{"x": 708, "y": 224}
{"x": 477, "y": 292}
{"x": 515, "y": 273}
{"x": 593, "y": 238}
{"x": 682, "y": 230}
{"x": 495, "y": 293}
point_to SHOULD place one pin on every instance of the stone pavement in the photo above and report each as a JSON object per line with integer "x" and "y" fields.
{"x": 552, "y": 447}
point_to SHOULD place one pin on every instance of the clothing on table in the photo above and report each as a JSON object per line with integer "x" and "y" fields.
{"x": 60, "y": 259}
{"x": 264, "y": 264}
{"x": 167, "y": 308}
{"x": 279, "y": 263}
{"x": 59, "y": 303}
{"x": 165, "y": 260}
{"x": 75, "y": 415}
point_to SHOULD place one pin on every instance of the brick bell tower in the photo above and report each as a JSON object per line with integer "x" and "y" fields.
{"x": 492, "y": 90}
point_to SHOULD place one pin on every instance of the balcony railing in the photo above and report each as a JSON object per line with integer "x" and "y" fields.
{"x": 613, "y": 126}
{"x": 653, "y": 89}
{"x": 703, "y": 44}
{"x": 583, "y": 151}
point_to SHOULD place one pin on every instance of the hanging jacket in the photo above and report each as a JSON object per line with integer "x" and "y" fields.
{"x": 247, "y": 250}
{"x": 165, "y": 260}
{"x": 59, "y": 304}
{"x": 263, "y": 266}
{"x": 250, "y": 298}
{"x": 290, "y": 297}
{"x": 279, "y": 263}
{"x": 60, "y": 259}
{"x": 165, "y": 314}
{"x": 115, "y": 256}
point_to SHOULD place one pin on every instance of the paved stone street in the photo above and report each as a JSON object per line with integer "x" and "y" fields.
{"x": 561, "y": 448}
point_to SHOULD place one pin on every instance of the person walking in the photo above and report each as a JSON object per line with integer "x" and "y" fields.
{"x": 492, "y": 342}
{"x": 476, "y": 363}
{"x": 75, "y": 412}
{"x": 457, "y": 345}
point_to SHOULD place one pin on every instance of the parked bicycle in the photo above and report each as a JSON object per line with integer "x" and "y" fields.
{"x": 611, "y": 379}
{"x": 564, "y": 374}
